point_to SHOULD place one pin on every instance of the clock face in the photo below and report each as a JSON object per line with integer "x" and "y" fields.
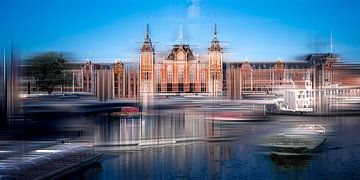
{"x": 180, "y": 56}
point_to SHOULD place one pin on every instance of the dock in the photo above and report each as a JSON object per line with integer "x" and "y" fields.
{"x": 48, "y": 163}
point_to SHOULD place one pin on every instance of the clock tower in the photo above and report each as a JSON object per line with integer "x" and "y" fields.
{"x": 146, "y": 71}
{"x": 215, "y": 66}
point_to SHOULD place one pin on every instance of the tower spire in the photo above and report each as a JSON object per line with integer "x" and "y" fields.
{"x": 215, "y": 44}
{"x": 147, "y": 31}
{"x": 215, "y": 30}
{"x": 147, "y": 46}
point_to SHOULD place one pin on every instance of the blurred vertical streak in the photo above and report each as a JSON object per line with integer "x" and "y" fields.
{"x": 8, "y": 90}
{"x": 3, "y": 90}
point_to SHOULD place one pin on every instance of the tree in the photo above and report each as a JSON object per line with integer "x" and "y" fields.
{"x": 48, "y": 70}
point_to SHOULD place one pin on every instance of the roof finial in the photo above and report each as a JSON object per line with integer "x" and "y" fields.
{"x": 147, "y": 31}
{"x": 215, "y": 31}
{"x": 331, "y": 42}
{"x": 181, "y": 38}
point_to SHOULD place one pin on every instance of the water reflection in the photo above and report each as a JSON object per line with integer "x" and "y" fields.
{"x": 188, "y": 153}
{"x": 164, "y": 126}
{"x": 290, "y": 162}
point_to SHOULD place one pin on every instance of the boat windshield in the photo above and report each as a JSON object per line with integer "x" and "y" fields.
{"x": 309, "y": 129}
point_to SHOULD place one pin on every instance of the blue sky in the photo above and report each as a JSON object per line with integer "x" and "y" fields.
{"x": 259, "y": 30}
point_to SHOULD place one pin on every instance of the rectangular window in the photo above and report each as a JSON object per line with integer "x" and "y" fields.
{"x": 192, "y": 87}
{"x": 158, "y": 76}
{"x": 203, "y": 87}
{"x": 181, "y": 74}
{"x": 158, "y": 87}
{"x": 169, "y": 87}
{"x": 192, "y": 72}
{"x": 181, "y": 87}
{"x": 169, "y": 73}
{"x": 203, "y": 76}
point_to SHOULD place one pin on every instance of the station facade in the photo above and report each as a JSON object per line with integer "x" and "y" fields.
{"x": 181, "y": 71}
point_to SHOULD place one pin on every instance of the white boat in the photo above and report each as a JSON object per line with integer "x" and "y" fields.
{"x": 302, "y": 140}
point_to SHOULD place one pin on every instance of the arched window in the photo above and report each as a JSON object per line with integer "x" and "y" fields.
{"x": 181, "y": 73}
{"x": 181, "y": 56}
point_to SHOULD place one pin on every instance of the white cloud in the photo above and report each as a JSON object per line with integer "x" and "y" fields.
{"x": 194, "y": 9}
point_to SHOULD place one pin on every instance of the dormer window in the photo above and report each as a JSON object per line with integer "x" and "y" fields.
{"x": 181, "y": 56}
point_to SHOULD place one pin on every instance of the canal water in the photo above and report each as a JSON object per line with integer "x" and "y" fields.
{"x": 183, "y": 145}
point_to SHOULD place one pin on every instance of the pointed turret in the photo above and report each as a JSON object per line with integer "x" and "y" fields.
{"x": 215, "y": 44}
{"x": 147, "y": 46}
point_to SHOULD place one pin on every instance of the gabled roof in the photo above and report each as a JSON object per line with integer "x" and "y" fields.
{"x": 186, "y": 48}
{"x": 268, "y": 65}
{"x": 215, "y": 45}
{"x": 319, "y": 57}
{"x": 147, "y": 46}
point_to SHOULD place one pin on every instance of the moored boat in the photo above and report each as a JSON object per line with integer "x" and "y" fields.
{"x": 127, "y": 112}
{"x": 302, "y": 140}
